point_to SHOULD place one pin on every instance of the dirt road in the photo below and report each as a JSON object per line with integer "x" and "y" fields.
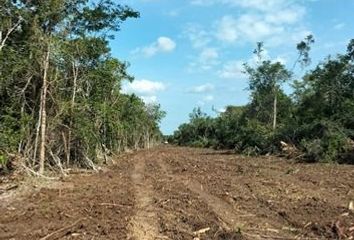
{"x": 184, "y": 193}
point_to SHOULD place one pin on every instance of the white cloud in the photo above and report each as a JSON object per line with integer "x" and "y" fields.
{"x": 200, "y": 103}
{"x": 202, "y": 88}
{"x": 227, "y": 29}
{"x": 221, "y": 110}
{"x": 274, "y": 22}
{"x": 339, "y": 26}
{"x": 149, "y": 99}
{"x": 208, "y": 98}
{"x": 248, "y": 27}
{"x": 236, "y": 70}
{"x": 232, "y": 70}
{"x": 260, "y": 5}
{"x": 298, "y": 35}
{"x": 203, "y": 2}
{"x": 280, "y": 60}
{"x": 197, "y": 36}
{"x": 207, "y": 58}
{"x": 161, "y": 45}
{"x": 287, "y": 16}
{"x": 208, "y": 54}
{"x": 275, "y": 28}
{"x": 205, "y": 100}
{"x": 271, "y": 21}
{"x": 143, "y": 87}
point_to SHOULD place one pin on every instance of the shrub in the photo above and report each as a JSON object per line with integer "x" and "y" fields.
{"x": 324, "y": 141}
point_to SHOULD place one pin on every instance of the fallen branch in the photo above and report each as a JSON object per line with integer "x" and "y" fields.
{"x": 38, "y": 174}
{"x": 58, "y": 162}
{"x": 62, "y": 231}
{"x": 90, "y": 163}
{"x": 2, "y": 190}
{"x": 262, "y": 236}
{"x": 201, "y": 231}
{"x": 114, "y": 205}
{"x": 11, "y": 187}
{"x": 351, "y": 206}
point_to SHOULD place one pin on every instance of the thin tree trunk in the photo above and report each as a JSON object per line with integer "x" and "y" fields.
{"x": 275, "y": 110}
{"x": 23, "y": 95}
{"x": 38, "y": 126}
{"x": 75, "y": 74}
{"x": 44, "y": 112}
{"x": 147, "y": 139}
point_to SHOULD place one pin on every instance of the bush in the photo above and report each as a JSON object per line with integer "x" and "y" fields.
{"x": 324, "y": 141}
{"x": 255, "y": 138}
{"x": 3, "y": 163}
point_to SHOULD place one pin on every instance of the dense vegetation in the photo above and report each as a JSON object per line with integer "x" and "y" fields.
{"x": 60, "y": 99}
{"x": 314, "y": 123}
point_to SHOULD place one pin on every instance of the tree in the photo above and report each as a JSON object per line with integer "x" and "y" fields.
{"x": 304, "y": 48}
{"x": 60, "y": 86}
{"x": 265, "y": 79}
{"x": 317, "y": 121}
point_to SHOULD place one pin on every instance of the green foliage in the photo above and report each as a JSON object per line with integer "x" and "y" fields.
{"x": 323, "y": 141}
{"x": 317, "y": 119}
{"x": 198, "y": 132}
{"x": 3, "y": 160}
{"x": 304, "y": 48}
{"x": 87, "y": 115}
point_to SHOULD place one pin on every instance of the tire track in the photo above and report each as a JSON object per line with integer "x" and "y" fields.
{"x": 230, "y": 219}
{"x": 144, "y": 224}
{"x": 226, "y": 213}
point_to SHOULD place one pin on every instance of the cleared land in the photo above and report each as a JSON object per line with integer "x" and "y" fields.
{"x": 185, "y": 193}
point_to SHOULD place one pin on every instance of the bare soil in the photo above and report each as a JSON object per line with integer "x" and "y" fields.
{"x": 186, "y": 193}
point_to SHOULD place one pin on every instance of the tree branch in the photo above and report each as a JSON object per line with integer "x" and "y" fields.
{"x": 3, "y": 41}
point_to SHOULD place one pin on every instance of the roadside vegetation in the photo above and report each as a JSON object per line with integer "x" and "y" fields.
{"x": 60, "y": 99}
{"x": 314, "y": 123}
{"x": 61, "y": 103}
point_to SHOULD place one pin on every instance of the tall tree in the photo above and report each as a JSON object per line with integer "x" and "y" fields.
{"x": 60, "y": 87}
{"x": 266, "y": 79}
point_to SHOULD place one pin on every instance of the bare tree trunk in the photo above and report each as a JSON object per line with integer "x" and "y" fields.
{"x": 37, "y": 134}
{"x": 275, "y": 110}
{"x": 43, "y": 121}
{"x": 75, "y": 74}
{"x": 23, "y": 105}
{"x": 147, "y": 139}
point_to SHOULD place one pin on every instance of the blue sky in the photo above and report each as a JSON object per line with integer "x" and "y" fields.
{"x": 188, "y": 53}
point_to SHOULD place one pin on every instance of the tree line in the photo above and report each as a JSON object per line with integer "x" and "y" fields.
{"x": 314, "y": 123}
{"x": 60, "y": 98}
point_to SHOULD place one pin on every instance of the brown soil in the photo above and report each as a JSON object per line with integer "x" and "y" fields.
{"x": 185, "y": 193}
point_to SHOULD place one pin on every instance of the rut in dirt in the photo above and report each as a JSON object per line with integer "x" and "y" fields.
{"x": 185, "y": 193}
{"x": 261, "y": 198}
{"x": 227, "y": 215}
{"x": 144, "y": 224}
